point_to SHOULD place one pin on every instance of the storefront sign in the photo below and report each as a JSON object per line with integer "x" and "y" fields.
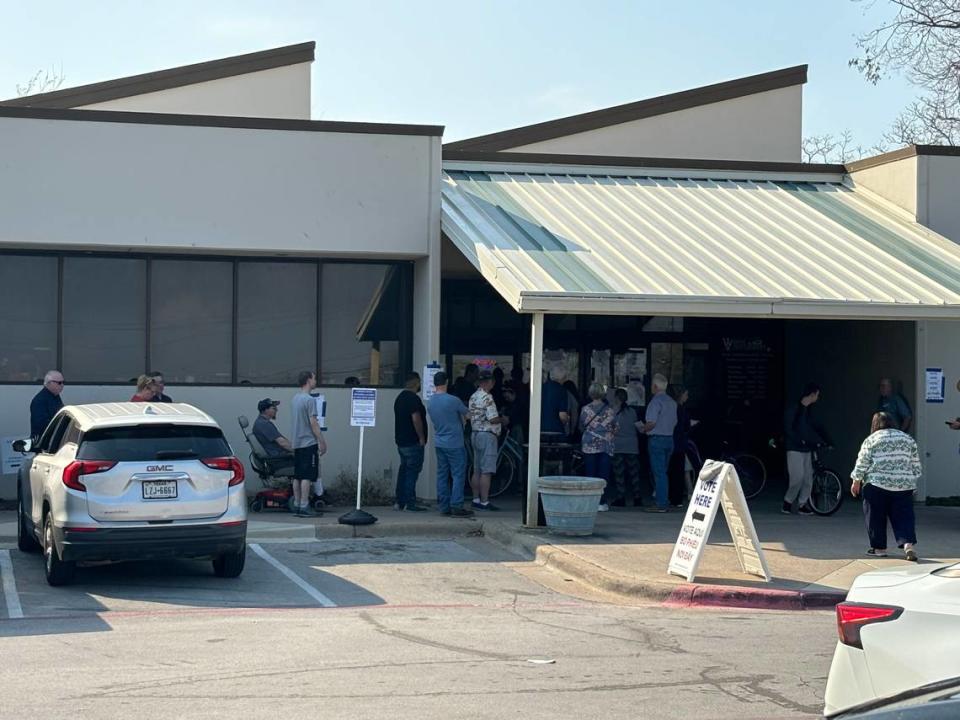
{"x": 10, "y": 459}
{"x": 746, "y": 368}
{"x": 718, "y": 486}
{"x": 428, "y": 388}
{"x": 935, "y": 385}
{"x": 363, "y": 407}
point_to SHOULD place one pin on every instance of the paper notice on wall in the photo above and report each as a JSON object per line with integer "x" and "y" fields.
{"x": 428, "y": 387}
{"x": 934, "y": 385}
{"x": 10, "y": 459}
{"x": 321, "y": 401}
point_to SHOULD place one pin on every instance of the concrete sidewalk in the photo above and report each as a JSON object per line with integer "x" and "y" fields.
{"x": 813, "y": 560}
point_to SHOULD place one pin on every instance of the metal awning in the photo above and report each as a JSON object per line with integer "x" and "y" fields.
{"x": 597, "y": 243}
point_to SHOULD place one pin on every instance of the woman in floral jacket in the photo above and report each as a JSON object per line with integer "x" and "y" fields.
{"x": 886, "y": 474}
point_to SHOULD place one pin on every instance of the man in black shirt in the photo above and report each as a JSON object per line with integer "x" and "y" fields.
{"x": 46, "y": 403}
{"x": 466, "y": 385}
{"x": 410, "y": 433}
{"x": 157, "y": 378}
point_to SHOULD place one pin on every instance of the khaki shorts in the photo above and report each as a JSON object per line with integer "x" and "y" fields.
{"x": 484, "y": 452}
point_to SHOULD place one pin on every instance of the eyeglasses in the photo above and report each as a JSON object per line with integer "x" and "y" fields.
{"x": 57, "y": 382}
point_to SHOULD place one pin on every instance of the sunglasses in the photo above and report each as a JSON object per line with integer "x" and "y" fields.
{"x": 57, "y": 382}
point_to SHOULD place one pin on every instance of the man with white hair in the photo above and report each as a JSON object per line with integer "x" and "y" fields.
{"x": 46, "y": 403}
{"x": 554, "y": 412}
{"x": 661, "y": 419}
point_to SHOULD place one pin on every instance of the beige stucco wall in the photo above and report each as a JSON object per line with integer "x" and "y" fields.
{"x": 282, "y": 92}
{"x": 761, "y": 127}
{"x": 895, "y": 181}
{"x": 137, "y": 186}
{"x": 939, "y": 180}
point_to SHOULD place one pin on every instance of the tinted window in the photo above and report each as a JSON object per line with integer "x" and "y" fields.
{"x": 153, "y": 442}
{"x": 28, "y": 317}
{"x": 72, "y": 435}
{"x": 276, "y": 321}
{"x": 362, "y": 323}
{"x": 104, "y": 319}
{"x": 50, "y": 442}
{"x": 191, "y": 320}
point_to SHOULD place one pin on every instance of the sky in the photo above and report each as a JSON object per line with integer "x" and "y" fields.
{"x": 475, "y": 67}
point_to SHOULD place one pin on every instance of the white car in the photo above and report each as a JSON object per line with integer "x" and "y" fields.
{"x": 899, "y": 629}
{"x": 132, "y": 481}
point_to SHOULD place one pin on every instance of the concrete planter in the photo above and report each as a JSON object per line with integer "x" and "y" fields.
{"x": 570, "y": 503}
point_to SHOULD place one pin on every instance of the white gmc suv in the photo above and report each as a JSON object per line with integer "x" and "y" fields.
{"x": 132, "y": 481}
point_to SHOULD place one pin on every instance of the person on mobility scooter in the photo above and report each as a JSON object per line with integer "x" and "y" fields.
{"x": 271, "y": 457}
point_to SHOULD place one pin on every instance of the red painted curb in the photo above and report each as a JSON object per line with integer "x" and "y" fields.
{"x": 694, "y": 595}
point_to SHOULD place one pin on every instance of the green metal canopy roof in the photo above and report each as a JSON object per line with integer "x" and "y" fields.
{"x": 601, "y": 243}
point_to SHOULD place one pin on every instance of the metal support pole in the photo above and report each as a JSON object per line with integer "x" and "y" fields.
{"x": 360, "y": 468}
{"x": 536, "y": 401}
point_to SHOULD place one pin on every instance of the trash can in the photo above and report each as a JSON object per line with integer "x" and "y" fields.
{"x": 570, "y": 503}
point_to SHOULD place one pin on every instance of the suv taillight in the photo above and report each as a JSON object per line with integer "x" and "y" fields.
{"x": 73, "y": 472}
{"x": 852, "y": 617}
{"x": 227, "y": 463}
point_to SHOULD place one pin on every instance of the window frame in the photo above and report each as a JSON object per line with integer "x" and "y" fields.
{"x": 407, "y": 284}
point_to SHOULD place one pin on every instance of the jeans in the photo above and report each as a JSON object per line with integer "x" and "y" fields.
{"x": 411, "y": 463}
{"x": 597, "y": 465}
{"x": 660, "y": 448}
{"x": 626, "y": 473}
{"x": 897, "y": 505}
{"x": 451, "y": 473}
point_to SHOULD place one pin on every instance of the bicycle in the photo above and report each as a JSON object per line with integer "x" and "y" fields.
{"x": 510, "y": 461}
{"x": 826, "y": 495}
{"x": 750, "y": 469}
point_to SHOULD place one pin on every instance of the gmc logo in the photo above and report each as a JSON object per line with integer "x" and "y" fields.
{"x": 159, "y": 468}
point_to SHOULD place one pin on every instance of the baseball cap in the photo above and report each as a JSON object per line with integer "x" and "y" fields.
{"x": 265, "y": 403}
{"x": 485, "y": 375}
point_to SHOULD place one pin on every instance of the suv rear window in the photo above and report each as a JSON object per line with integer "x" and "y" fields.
{"x": 153, "y": 442}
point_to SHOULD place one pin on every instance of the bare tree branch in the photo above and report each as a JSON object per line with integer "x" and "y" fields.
{"x": 42, "y": 81}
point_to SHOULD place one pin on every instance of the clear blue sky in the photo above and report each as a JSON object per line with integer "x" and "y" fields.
{"x": 478, "y": 66}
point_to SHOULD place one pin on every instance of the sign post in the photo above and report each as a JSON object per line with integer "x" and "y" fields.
{"x": 718, "y": 486}
{"x": 363, "y": 414}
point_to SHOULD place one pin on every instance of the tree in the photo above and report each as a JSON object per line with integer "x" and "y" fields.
{"x": 922, "y": 41}
{"x": 830, "y": 148}
{"x": 42, "y": 81}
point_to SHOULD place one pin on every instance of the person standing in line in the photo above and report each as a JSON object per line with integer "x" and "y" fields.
{"x": 661, "y": 421}
{"x": 410, "y": 434}
{"x": 554, "y": 407}
{"x": 485, "y": 424}
{"x": 677, "y": 471}
{"x": 466, "y": 384}
{"x": 625, "y": 468}
{"x": 802, "y": 436}
{"x": 598, "y": 427}
{"x": 886, "y": 475}
{"x": 895, "y": 405}
{"x": 308, "y": 443}
{"x": 146, "y": 390}
{"x": 46, "y": 403}
{"x": 447, "y": 413}
{"x": 161, "y": 386}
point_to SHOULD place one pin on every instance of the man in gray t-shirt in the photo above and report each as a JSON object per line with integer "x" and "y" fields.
{"x": 308, "y": 443}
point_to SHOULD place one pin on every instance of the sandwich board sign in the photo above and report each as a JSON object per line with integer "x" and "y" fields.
{"x": 717, "y": 486}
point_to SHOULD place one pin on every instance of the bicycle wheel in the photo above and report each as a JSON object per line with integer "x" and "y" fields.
{"x": 752, "y": 473}
{"x": 503, "y": 478}
{"x": 826, "y": 497}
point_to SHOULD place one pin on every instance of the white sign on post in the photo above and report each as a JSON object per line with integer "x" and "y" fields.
{"x": 363, "y": 407}
{"x": 718, "y": 486}
{"x": 429, "y": 389}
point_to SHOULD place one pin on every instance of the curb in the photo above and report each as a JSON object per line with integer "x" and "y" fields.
{"x": 434, "y": 527}
{"x": 688, "y": 595}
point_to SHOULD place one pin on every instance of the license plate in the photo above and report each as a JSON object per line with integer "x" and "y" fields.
{"x": 159, "y": 489}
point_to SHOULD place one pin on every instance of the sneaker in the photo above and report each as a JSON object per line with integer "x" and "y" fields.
{"x": 476, "y": 504}
{"x": 415, "y": 508}
{"x": 460, "y": 513}
{"x": 489, "y": 506}
{"x": 398, "y": 507}
{"x": 307, "y": 511}
{"x": 873, "y": 552}
{"x": 654, "y": 509}
{"x": 786, "y": 508}
{"x": 603, "y": 507}
{"x": 805, "y": 510}
{"x": 911, "y": 555}
{"x": 445, "y": 511}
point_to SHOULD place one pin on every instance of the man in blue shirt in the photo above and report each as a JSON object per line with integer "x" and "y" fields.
{"x": 554, "y": 408}
{"x": 661, "y": 420}
{"x": 46, "y": 403}
{"x": 893, "y": 403}
{"x": 447, "y": 413}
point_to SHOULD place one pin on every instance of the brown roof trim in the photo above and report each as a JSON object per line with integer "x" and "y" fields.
{"x": 221, "y": 121}
{"x": 902, "y": 154}
{"x": 635, "y": 110}
{"x": 167, "y": 79}
{"x": 637, "y": 162}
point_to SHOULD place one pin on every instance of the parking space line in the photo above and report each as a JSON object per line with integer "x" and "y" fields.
{"x": 293, "y": 577}
{"x": 14, "y": 610}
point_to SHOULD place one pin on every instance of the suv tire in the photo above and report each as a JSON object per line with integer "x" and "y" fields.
{"x": 57, "y": 571}
{"x": 230, "y": 565}
{"x": 26, "y": 541}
